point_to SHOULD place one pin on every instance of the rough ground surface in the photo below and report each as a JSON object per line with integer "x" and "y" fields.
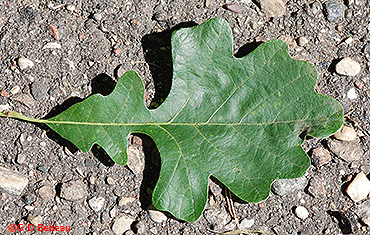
{"x": 98, "y": 37}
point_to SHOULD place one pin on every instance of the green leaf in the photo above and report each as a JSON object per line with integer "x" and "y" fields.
{"x": 238, "y": 119}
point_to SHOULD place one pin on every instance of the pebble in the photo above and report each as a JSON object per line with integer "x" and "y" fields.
{"x": 287, "y": 186}
{"x": 122, "y": 224}
{"x": 24, "y": 99}
{"x": 157, "y": 216}
{"x": 98, "y": 16}
{"x": 38, "y": 91}
{"x": 21, "y": 158}
{"x": 359, "y": 188}
{"x": 25, "y": 63}
{"x": 349, "y": 40}
{"x": 15, "y": 90}
{"x": 96, "y": 203}
{"x": 135, "y": 160}
{"x": 302, "y": 41}
{"x": 35, "y": 219}
{"x": 320, "y": 157}
{"x": 4, "y": 93}
{"x": 125, "y": 200}
{"x": 42, "y": 168}
{"x": 351, "y": 94}
{"x": 359, "y": 84}
{"x": 273, "y": 8}
{"x": 54, "y": 32}
{"x": 347, "y": 66}
{"x": 89, "y": 162}
{"x": 47, "y": 193}
{"x": 347, "y": 151}
{"x": 301, "y": 212}
{"x": 52, "y": 45}
{"x": 246, "y": 223}
{"x": 120, "y": 71}
{"x": 12, "y": 181}
{"x": 110, "y": 181}
{"x": 4, "y": 107}
{"x": 345, "y": 133}
{"x": 71, "y": 8}
{"x": 316, "y": 188}
{"x": 73, "y": 190}
{"x": 363, "y": 212}
{"x": 234, "y": 8}
{"x": 333, "y": 10}
{"x": 208, "y": 3}
{"x": 113, "y": 212}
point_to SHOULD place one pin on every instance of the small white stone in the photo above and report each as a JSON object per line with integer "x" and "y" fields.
{"x": 351, "y": 94}
{"x": 125, "y": 200}
{"x": 348, "y": 67}
{"x": 24, "y": 63}
{"x": 157, "y": 216}
{"x": 96, "y": 203}
{"x": 29, "y": 208}
{"x": 349, "y": 40}
{"x": 71, "y": 8}
{"x": 35, "y": 220}
{"x": 52, "y": 45}
{"x": 122, "y": 224}
{"x": 301, "y": 212}
{"x": 98, "y": 16}
{"x": 359, "y": 188}
{"x": 15, "y": 90}
{"x": 246, "y": 223}
{"x": 112, "y": 212}
{"x": 4, "y": 107}
{"x": 111, "y": 181}
{"x": 345, "y": 133}
{"x": 302, "y": 41}
{"x": 21, "y": 158}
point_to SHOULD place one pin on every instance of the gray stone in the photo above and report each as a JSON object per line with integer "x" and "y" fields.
{"x": 73, "y": 190}
{"x": 24, "y": 99}
{"x": 122, "y": 224}
{"x": 346, "y": 150}
{"x": 348, "y": 67}
{"x": 316, "y": 188}
{"x": 96, "y": 203}
{"x": 363, "y": 212}
{"x": 320, "y": 157}
{"x": 333, "y": 10}
{"x": 287, "y": 186}
{"x": 38, "y": 91}
{"x": 12, "y": 181}
{"x": 47, "y": 193}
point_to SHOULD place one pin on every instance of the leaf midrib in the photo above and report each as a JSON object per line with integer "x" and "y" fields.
{"x": 176, "y": 123}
